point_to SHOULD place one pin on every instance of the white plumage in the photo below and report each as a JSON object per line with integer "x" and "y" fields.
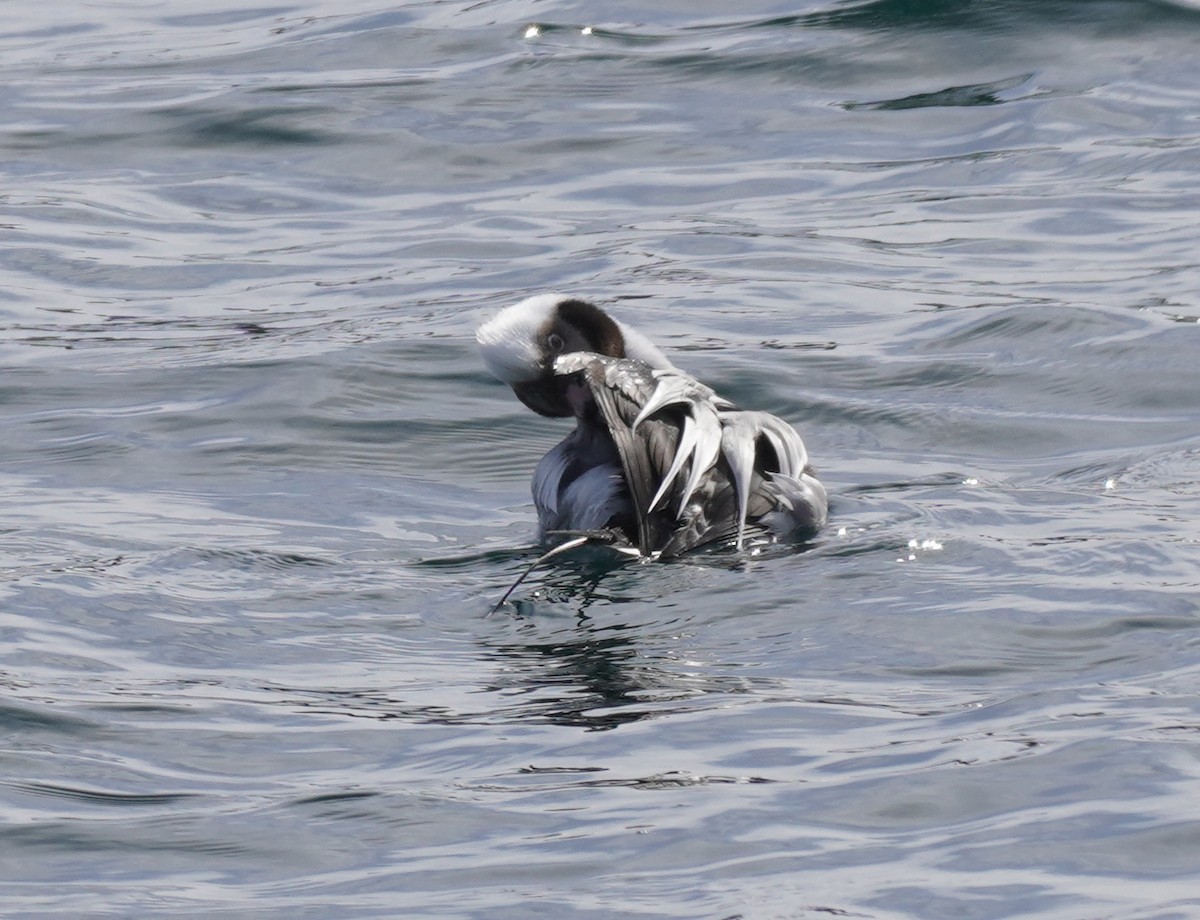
{"x": 657, "y": 460}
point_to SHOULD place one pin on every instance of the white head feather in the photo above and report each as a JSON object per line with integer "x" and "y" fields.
{"x": 510, "y": 341}
{"x": 640, "y": 348}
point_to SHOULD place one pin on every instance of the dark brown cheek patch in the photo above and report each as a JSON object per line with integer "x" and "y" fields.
{"x": 603, "y": 335}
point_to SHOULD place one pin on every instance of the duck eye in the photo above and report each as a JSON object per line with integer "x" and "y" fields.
{"x": 555, "y": 341}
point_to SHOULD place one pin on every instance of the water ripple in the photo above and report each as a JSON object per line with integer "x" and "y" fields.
{"x": 260, "y": 494}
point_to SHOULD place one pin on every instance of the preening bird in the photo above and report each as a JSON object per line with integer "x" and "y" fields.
{"x": 658, "y": 462}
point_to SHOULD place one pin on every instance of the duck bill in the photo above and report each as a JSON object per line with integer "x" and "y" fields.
{"x": 545, "y": 396}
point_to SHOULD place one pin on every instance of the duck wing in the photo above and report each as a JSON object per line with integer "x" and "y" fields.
{"x": 665, "y": 428}
{"x": 698, "y": 469}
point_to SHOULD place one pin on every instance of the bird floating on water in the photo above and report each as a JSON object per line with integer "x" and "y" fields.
{"x": 658, "y": 463}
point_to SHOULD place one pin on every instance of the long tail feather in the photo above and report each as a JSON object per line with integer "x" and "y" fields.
{"x": 603, "y": 539}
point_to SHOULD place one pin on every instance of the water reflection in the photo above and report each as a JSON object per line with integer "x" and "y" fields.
{"x": 592, "y": 644}
{"x": 585, "y": 675}
{"x": 597, "y": 680}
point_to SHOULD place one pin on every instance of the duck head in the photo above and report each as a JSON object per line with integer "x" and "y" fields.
{"x": 520, "y": 345}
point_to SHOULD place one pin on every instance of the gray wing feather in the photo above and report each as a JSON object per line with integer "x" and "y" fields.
{"x": 738, "y": 439}
{"x": 687, "y": 445}
{"x": 633, "y": 461}
{"x": 757, "y": 461}
{"x": 653, "y": 451}
{"x": 620, "y": 388}
{"x": 785, "y": 441}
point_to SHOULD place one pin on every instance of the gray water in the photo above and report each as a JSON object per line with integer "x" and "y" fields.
{"x": 259, "y": 494}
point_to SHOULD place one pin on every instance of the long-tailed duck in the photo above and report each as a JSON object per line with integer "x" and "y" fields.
{"x": 657, "y": 462}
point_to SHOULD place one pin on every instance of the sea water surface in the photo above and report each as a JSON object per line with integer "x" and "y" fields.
{"x": 258, "y": 493}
